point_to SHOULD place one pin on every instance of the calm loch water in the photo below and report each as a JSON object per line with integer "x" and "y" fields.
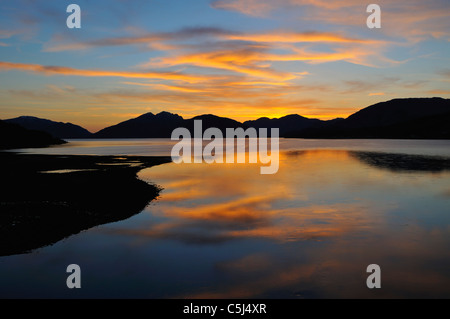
{"x": 226, "y": 231}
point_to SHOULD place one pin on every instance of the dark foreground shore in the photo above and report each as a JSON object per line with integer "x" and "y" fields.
{"x": 46, "y": 198}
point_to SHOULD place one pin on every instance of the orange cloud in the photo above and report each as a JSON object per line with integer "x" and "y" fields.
{"x": 60, "y": 70}
{"x": 295, "y": 37}
{"x": 244, "y": 61}
{"x": 254, "y": 61}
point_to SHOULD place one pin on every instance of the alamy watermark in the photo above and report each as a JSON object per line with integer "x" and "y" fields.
{"x": 74, "y": 19}
{"x": 374, "y": 279}
{"x": 373, "y": 20}
{"x": 74, "y": 279}
{"x": 221, "y": 146}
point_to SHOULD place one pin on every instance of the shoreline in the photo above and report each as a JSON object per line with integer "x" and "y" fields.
{"x": 47, "y": 198}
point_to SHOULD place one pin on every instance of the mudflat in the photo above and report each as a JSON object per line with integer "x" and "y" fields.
{"x": 47, "y": 198}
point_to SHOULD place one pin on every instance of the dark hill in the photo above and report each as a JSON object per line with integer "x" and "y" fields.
{"x": 15, "y": 136}
{"x": 397, "y": 111}
{"x": 145, "y": 126}
{"x": 426, "y": 118}
{"x": 56, "y": 129}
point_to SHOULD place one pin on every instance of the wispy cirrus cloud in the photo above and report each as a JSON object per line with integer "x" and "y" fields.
{"x": 215, "y": 37}
{"x": 285, "y": 36}
{"x": 68, "y": 71}
{"x": 399, "y": 18}
{"x": 261, "y": 8}
{"x": 256, "y": 55}
{"x": 6, "y": 34}
{"x": 368, "y": 85}
{"x": 445, "y": 74}
{"x": 439, "y": 92}
{"x": 255, "y": 8}
{"x": 258, "y": 60}
{"x": 61, "y": 43}
{"x": 248, "y": 61}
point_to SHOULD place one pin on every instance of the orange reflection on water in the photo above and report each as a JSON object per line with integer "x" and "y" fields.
{"x": 238, "y": 202}
{"x": 328, "y": 214}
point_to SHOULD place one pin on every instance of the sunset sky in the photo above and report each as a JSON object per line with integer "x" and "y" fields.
{"x": 242, "y": 59}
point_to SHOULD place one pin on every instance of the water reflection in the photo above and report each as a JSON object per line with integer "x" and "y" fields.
{"x": 226, "y": 231}
{"x": 314, "y": 226}
{"x": 212, "y": 203}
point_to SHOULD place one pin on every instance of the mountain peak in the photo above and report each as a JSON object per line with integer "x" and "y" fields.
{"x": 165, "y": 113}
{"x": 29, "y": 117}
{"x": 294, "y": 116}
{"x": 205, "y": 116}
{"x": 145, "y": 115}
{"x": 168, "y": 115}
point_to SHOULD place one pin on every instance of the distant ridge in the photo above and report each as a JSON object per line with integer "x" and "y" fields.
{"x": 286, "y": 124}
{"x": 147, "y": 125}
{"x": 56, "y": 129}
{"x": 397, "y": 118}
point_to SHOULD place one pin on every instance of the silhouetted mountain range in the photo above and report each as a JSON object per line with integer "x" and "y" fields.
{"x": 56, "y": 129}
{"x": 397, "y": 118}
{"x": 161, "y": 125}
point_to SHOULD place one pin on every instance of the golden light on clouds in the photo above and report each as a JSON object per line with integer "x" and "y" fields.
{"x": 59, "y": 70}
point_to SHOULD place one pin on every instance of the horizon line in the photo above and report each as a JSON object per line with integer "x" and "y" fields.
{"x": 262, "y": 117}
